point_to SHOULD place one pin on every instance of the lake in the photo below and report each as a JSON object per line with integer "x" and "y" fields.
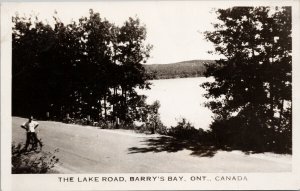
{"x": 180, "y": 98}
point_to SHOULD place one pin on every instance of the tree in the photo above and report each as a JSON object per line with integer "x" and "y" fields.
{"x": 43, "y": 75}
{"x": 130, "y": 53}
{"x": 154, "y": 118}
{"x": 31, "y": 39}
{"x": 96, "y": 64}
{"x": 252, "y": 87}
{"x": 85, "y": 68}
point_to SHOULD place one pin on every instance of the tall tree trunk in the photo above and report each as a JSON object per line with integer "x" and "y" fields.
{"x": 114, "y": 101}
{"x": 105, "y": 108}
{"x": 271, "y": 104}
{"x": 125, "y": 100}
{"x": 100, "y": 109}
{"x": 272, "y": 90}
{"x": 281, "y": 111}
{"x": 124, "y": 106}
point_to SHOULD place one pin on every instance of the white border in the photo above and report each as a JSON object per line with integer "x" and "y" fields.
{"x": 270, "y": 181}
{"x": 6, "y": 36}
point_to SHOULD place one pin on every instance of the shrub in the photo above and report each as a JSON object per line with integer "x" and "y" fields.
{"x": 250, "y": 134}
{"x": 150, "y": 119}
{"x": 184, "y": 130}
{"x": 32, "y": 163}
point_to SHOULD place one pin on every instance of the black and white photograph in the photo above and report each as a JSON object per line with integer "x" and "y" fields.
{"x": 151, "y": 87}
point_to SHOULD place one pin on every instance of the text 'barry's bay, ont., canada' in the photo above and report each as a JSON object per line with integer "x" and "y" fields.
{"x": 94, "y": 179}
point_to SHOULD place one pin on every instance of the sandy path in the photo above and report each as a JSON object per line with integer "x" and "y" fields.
{"x": 84, "y": 149}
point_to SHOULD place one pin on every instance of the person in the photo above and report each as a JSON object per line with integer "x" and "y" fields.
{"x": 30, "y": 126}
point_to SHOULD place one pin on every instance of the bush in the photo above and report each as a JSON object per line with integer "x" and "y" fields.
{"x": 147, "y": 114}
{"x": 81, "y": 121}
{"x": 102, "y": 124}
{"x": 151, "y": 119}
{"x": 32, "y": 163}
{"x": 250, "y": 134}
{"x": 185, "y": 130}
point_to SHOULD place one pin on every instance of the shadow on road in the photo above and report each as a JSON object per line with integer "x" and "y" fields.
{"x": 170, "y": 144}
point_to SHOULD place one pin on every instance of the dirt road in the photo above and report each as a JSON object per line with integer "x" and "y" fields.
{"x": 84, "y": 149}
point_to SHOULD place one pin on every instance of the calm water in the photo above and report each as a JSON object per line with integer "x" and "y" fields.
{"x": 180, "y": 98}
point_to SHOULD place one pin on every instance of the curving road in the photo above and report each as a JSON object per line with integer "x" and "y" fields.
{"x": 84, "y": 149}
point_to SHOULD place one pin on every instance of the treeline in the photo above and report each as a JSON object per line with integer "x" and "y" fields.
{"x": 251, "y": 96}
{"x": 87, "y": 68}
{"x": 185, "y": 69}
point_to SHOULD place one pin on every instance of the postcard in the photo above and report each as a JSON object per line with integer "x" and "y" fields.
{"x": 150, "y": 95}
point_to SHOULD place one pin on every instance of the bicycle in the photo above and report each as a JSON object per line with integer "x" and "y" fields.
{"x": 33, "y": 144}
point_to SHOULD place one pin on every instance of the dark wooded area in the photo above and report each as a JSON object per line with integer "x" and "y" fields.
{"x": 252, "y": 93}
{"x": 86, "y": 68}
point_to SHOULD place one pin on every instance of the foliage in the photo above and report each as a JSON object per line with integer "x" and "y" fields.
{"x": 89, "y": 67}
{"x": 252, "y": 88}
{"x": 153, "y": 118}
{"x": 150, "y": 117}
{"x": 32, "y": 163}
{"x": 185, "y": 130}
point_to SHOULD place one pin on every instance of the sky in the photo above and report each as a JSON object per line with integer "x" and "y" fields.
{"x": 175, "y": 29}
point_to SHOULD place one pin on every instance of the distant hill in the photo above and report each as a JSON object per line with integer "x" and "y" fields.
{"x": 191, "y": 68}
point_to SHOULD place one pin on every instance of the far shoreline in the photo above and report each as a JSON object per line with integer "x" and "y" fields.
{"x": 190, "y": 77}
